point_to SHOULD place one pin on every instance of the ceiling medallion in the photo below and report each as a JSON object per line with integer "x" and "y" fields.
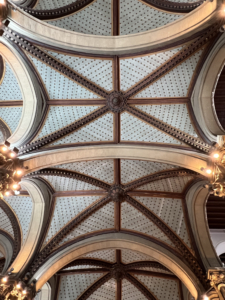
{"x": 118, "y": 272}
{"x": 117, "y": 193}
{"x": 116, "y": 102}
{"x": 11, "y": 171}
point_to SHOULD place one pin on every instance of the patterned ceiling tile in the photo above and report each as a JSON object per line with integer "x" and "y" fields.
{"x": 11, "y": 116}
{"x": 100, "y": 169}
{"x": 9, "y": 80}
{"x": 175, "y": 115}
{"x": 106, "y": 292}
{"x": 5, "y": 223}
{"x": 67, "y": 208}
{"x": 100, "y": 129}
{"x": 174, "y": 184}
{"x": 134, "y": 169}
{"x": 171, "y": 212}
{"x": 93, "y": 19}
{"x": 134, "y": 129}
{"x": 134, "y": 69}
{"x": 52, "y": 4}
{"x": 22, "y": 207}
{"x": 72, "y": 286}
{"x": 129, "y": 291}
{"x": 101, "y": 219}
{"x": 98, "y": 71}
{"x": 175, "y": 83}
{"x": 132, "y": 219}
{"x": 106, "y": 255}
{"x": 61, "y": 116}
{"x": 129, "y": 256}
{"x": 68, "y": 184}
{"x": 59, "y": 86}
{"x": 161, "y": 288}
{"x": 136, "y": 16}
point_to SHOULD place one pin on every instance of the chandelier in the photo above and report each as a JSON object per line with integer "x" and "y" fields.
{"x": 216, "y": 172}
{"x": 11, "y": 171}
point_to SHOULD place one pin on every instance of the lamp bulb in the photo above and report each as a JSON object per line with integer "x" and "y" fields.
{"x": 208, "y": 171}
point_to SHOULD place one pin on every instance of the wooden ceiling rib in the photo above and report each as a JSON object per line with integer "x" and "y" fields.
{"x": 215, "y": 208}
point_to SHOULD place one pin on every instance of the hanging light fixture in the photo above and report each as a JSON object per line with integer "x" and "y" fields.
{"x": 11, "y": 171}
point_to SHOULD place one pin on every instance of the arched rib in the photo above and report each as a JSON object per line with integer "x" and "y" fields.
{"x": 65, "y": 231}
{"x": 51, "y": 14}
{"x": 95, "y": 286}
{"x": 159, "y": 176}
{"x": 140, "y": 287}
{"x": 88, "y": 261}
{"x": 144, "y": 264}
{"x": 5, "y": 130}
{"x": 15, "y": 226}
{"x": 178, "y": 243}
{"x": 70, "y": 174}
{"x": 179, "y": 7}
{"x": 63, "y": 132}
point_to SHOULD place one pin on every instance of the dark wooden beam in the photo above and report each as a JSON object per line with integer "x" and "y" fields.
{"x": 43, "y": 254}
{"x": 80, "y": 193}
{"x": 95, "y": 286}
{"x": 144, "y": 264}
{"x": 79, "y": 102}
{"x": 118, "y": 289}
{"x": 143, "y": 193}
{"x": 140, "y": 287}
{"x": 51, "y": 14}
{"x": 158, "y": 101}
{"x": 172, "y": 131}
{"x": 177, "y": 59}
{"x": 117, "y": 205}
{"x": 82, "y": 271}
{"x": 116, "y": 83}
{"x": 174, "y": 238}
{"x": 11, "y": 103}
{"x": 88, "y": 262}
{"x": 116, "y": 17}
{"x": 181, "y": 295}
{"x": 69, "y": 174}
{"x": 166, "y": 5}
{"x": 158, "y": 176}
{"x": 153, "y": 274}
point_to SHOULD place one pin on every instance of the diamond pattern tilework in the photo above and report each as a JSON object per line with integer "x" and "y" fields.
{"x": 94, "y": 19}
{"x": 68, "y": 184}
{"x": 11, "y": 116}
{"x": 132, "y": 70}
{"x": 136, "y": 16}
{"x": 61, "y": 116}
{"x": 100, "y": 169}
{"x": 67, "y": 208}
{"x": 134, "y": 169}
{"x": 58, "y": 86}
{"x": 100, "y": 129}
{"x": 171, "y": 212}
{"x": 72, "y": 286}
{"x": 22, "y": 207}
{"x": 129, "y": 256}
{"x": 98, "y": 71}
{"x": 161, "y": 288}
{"x": 133, "y": 129}
{"x": 175, "y": 115}
{"x": 107, "y": 255}
{"x": 175, "y": 83}
{"x": 106, "y": 292}
{"x": 9, "y": 80}
{"x": 134, "y": 220}
{"x": 52, "y": 4}
{"x": 101, "y": 219}
{"x": 129, "y": 291}
{"x": 5, "y": 223}
{"x": 174, "y": 184}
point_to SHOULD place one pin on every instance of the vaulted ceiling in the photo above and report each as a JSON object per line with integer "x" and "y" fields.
{"x": 90, "y": 99}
